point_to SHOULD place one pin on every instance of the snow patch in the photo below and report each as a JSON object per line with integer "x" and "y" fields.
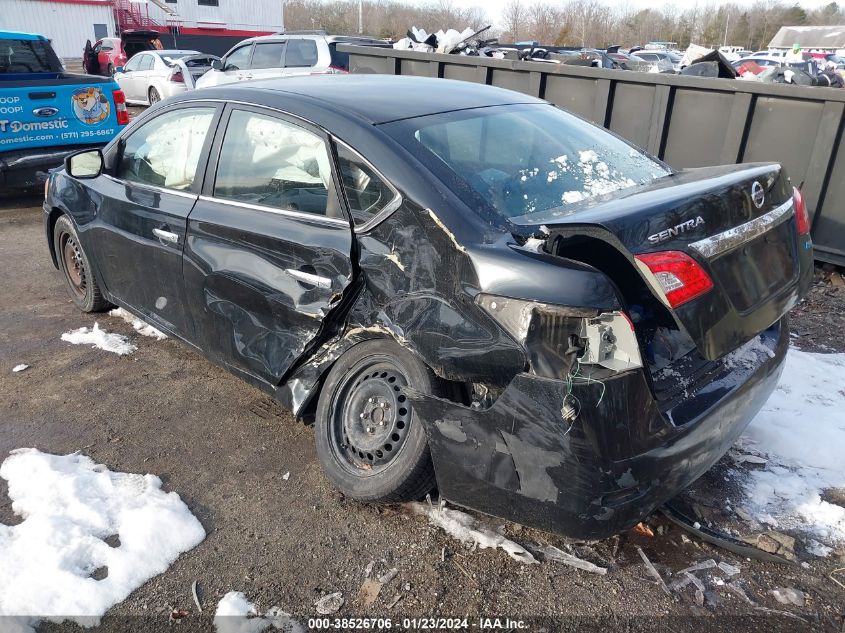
{"x": 534, "y": 244}
{"x": 70, "y": 505}
{"x": 236, "y": 614}
{"x": 801, "y": 430}
{"x": 19, "y": 368}
{"x": 96, "y": 337}
{"x": 466, "y": 529}
{"x": 142, "y": 328}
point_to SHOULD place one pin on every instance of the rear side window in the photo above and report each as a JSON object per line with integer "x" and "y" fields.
{"x": 366, "y": 193}
{"x": 268, "y": 55}
{"x": 268, "y": 161}
{"x": 301, "y": 53}
{"x": 146, "y": 62}
{"x": 25, "y": 56}
{"x": 165, "y": 151}
{"x": 340, "y": 60}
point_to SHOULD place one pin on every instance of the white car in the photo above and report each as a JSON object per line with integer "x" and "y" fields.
{"x": 150, "y": 76}
{"x": 284, "y": 55}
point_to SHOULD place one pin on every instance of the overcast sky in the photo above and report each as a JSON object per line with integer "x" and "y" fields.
{"x": 494, "y": 7}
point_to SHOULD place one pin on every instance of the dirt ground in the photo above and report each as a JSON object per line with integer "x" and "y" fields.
{"x": 224, "y": 447}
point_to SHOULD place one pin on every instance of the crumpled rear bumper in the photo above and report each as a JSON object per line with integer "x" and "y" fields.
{"x": 610, "y": 468}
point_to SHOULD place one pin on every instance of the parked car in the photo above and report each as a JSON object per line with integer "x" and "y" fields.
{"x": 760, "y": 60}
{"x": 284, "y": 55}
{"x": 564, "y": 331}
{"x": 661, "y": 58}
{"x": 47, "y": 113}
{"x": 154, "y": 75}
{"x": 110, "y": 53}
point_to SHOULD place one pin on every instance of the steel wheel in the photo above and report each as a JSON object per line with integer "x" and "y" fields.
{"x": 75, "y": 271}
{"x": 73, "y": 262}
{"x": 372, "y": 419}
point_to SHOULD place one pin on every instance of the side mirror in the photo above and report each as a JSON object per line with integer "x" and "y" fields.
{"x": 85, "y": 164}
{"x": 216, "y": 64}
{"x": 120, "y": 69}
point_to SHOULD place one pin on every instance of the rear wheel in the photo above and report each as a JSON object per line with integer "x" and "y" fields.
{"x": 154, "y": 96}
{"x": 370, "y": 442}
{"x": 76, "y": 268}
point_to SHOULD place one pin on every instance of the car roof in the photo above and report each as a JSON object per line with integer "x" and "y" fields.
{"x": 21, "y": 35}
{"x": 277, "y": 37}
{"x": 172, "y": 51}
{"x": 371, "y": 98}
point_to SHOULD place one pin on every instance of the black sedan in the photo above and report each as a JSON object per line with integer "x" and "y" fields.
{"x": 451, "y": 281}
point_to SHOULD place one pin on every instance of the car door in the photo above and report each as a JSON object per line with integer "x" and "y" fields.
{"x": 268, "y": 252}
{"x": 266, "y": 60}
{"x": 126, "y": 79}
{"x": 141, "y": 85}
{"x": 146, "y": 197}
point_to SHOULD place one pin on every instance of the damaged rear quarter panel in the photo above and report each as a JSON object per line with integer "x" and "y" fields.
{"x": 598, "y": 475}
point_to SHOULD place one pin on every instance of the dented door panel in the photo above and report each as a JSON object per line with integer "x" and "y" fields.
{"x": 251, "y": 312}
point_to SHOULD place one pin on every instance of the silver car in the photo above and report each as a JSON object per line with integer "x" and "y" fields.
{"x": 282, "y": 55}
{"x": 150, "y": 76}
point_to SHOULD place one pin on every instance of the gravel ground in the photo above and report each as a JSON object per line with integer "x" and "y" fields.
{"x": 224, "y": 447}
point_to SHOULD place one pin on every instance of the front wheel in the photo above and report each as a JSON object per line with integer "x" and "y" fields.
{"x": 76, "y": 268}
{"x": 110, "y": 70}
{"x": 370, "y": 442}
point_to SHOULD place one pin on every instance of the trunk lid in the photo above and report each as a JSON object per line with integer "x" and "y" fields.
{"x": 736, "y": 222}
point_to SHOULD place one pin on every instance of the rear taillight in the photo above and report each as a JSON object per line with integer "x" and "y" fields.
{"x": 680, "y": 277}
{"x": 802, "y": 218}
{"x": 334, "y": 70}
{"x": 177, "y": 77}
{"x": 120, "y": 107}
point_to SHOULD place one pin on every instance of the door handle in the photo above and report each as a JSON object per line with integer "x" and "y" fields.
{"x": 166, "y": 236}
{"x": 308, "y": 278}
{"x": 249, "y": 76}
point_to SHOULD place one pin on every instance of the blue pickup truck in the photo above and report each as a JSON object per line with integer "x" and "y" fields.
{"x": 47, "y": 113}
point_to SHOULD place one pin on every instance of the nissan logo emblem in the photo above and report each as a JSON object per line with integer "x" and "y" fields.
{"x": 758, "y": 196}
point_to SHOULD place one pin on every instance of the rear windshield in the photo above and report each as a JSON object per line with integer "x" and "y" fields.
{"x": 523, "y": 159}
{"x": 169, "y": 58}
{"x": 26, "y": 56}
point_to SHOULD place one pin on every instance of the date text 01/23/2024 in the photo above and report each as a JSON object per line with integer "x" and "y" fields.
{"x": 432, "y": 623}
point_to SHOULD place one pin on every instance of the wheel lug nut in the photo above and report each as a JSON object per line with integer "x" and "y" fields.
{"x": 370, "y": 429}
{"x": 364, "y": 415}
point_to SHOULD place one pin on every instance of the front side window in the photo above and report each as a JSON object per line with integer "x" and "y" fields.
{"x": 524, "y": 159}
{"x": 238, "y": 59}
{"x": 268, "y": 55}
{"x": 301, "y": 53}
{"x": 165, "y": 151}
{"x": 366, "y": 193}
{"x": 265, "y": 160}
{"x": 133, "y": 64}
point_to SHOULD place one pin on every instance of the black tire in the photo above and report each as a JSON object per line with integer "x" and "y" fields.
{"x": 393, "y": 463}
{"x": 110, "y": 70}
{"x": 153, "y": 96}
{"x": 80, "y": 280}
